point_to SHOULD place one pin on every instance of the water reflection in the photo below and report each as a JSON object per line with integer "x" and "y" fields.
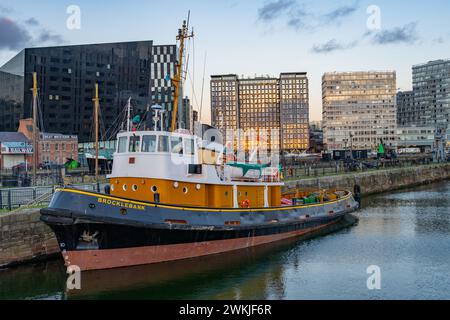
{"x": 248, "y": 274}
{"x": 43, "y": 280}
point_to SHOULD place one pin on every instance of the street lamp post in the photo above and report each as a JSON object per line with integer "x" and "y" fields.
{"x": 351, "y": 145}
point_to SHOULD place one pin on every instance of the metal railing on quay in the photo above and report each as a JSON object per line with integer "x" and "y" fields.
{"x": 13, "y": 198}
{"x": 326, "y": 168}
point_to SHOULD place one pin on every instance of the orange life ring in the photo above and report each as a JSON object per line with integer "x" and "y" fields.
{"x": 245, "y": 203}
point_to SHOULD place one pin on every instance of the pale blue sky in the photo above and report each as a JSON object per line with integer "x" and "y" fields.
{"x": 249, "y": 37}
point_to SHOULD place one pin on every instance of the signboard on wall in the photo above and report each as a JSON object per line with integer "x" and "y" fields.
{"x": 16, "y": 148}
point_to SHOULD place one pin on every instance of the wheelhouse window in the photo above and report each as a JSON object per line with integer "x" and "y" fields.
{"x": 163, "y": 144}
{"x": 149, "y": 143}
{"x": 134, "y": 144}
{"x": 122, "y": 145}
{"x": 189, "y": 147}
{"x": 176, "y": 144}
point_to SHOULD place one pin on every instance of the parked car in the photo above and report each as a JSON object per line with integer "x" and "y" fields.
{"x": 352, "y": 165}
{"x": 47, "y": 165}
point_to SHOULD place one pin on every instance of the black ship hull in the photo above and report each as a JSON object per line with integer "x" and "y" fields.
{"x": 101, "y": 232}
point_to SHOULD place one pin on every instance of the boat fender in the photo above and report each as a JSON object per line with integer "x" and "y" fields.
{"x": 108, "y": 189}
{"x": 245, "y": 203}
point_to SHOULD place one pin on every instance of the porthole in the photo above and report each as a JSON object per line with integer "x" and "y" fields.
{"x": 185, "y": 190}
{"x": 198, "y": 187}
{"x": 246, "y": 194}
{"x": 154, "y": 189}
{"x": 112, "y": 187}
{"x": 134, "y": 187}
{"x": 124, "y": 187}
{"x": 176, "y": 185}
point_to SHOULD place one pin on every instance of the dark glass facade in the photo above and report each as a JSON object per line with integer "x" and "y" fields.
{"x": 11, "y": 101}
{"x": 431, "y": 87}
{"x": 67, "y": 77}
{"x": 407, "y": 114}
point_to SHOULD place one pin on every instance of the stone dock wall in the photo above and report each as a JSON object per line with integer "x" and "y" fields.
{"x": 24, "y": 238}
{"x": 378, "y": 181}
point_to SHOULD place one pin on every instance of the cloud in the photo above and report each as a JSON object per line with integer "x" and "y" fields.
{"x": 439, "y": 40}
{"x": 299, "y": 18}
{"x": 32, "y": 22}
{"x": 406, "y": 34}
{"x": 331, "y": 46}
{"x": 6, "y": 10}
{"x": 272, "y": 10}
{"x": 47, "y": 36}
{"x": 12, "y": 35}
{"x": 341, "y": 12}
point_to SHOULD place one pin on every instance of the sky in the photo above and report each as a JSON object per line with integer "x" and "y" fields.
{"x": 248, "y": 37}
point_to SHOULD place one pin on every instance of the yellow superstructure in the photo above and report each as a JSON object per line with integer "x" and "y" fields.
{"x": 193, "y": 194}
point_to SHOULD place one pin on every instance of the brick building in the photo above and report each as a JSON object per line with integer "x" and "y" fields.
{"x": 52, "y": 147}
{"x": 15, "y": 149}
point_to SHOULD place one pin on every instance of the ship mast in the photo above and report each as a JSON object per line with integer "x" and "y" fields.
{"x": 129, "y": 115}
{"x": 183, "y": 34}
{"x": 35, "y": 145}
{"x": 96, "y": 112}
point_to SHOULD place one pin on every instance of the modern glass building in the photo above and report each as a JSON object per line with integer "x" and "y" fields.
{"x": 359, "y": 110}
{"x": 11, "y": 101}
{"x": 67, "y": 77}
{"x": 277, "y": 106}
{"x": 431, "y": 87}
{"x": 224, "y": 102}
{"x": 422, "y": 137}
{"x": 407, "y": 114}
{"x": 185, "y": 117}
{"x": 259, "y": 112}
{"x": 294, "y": 111}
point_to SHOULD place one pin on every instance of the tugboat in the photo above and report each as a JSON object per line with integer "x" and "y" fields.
{"x": 170, "y": 197}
